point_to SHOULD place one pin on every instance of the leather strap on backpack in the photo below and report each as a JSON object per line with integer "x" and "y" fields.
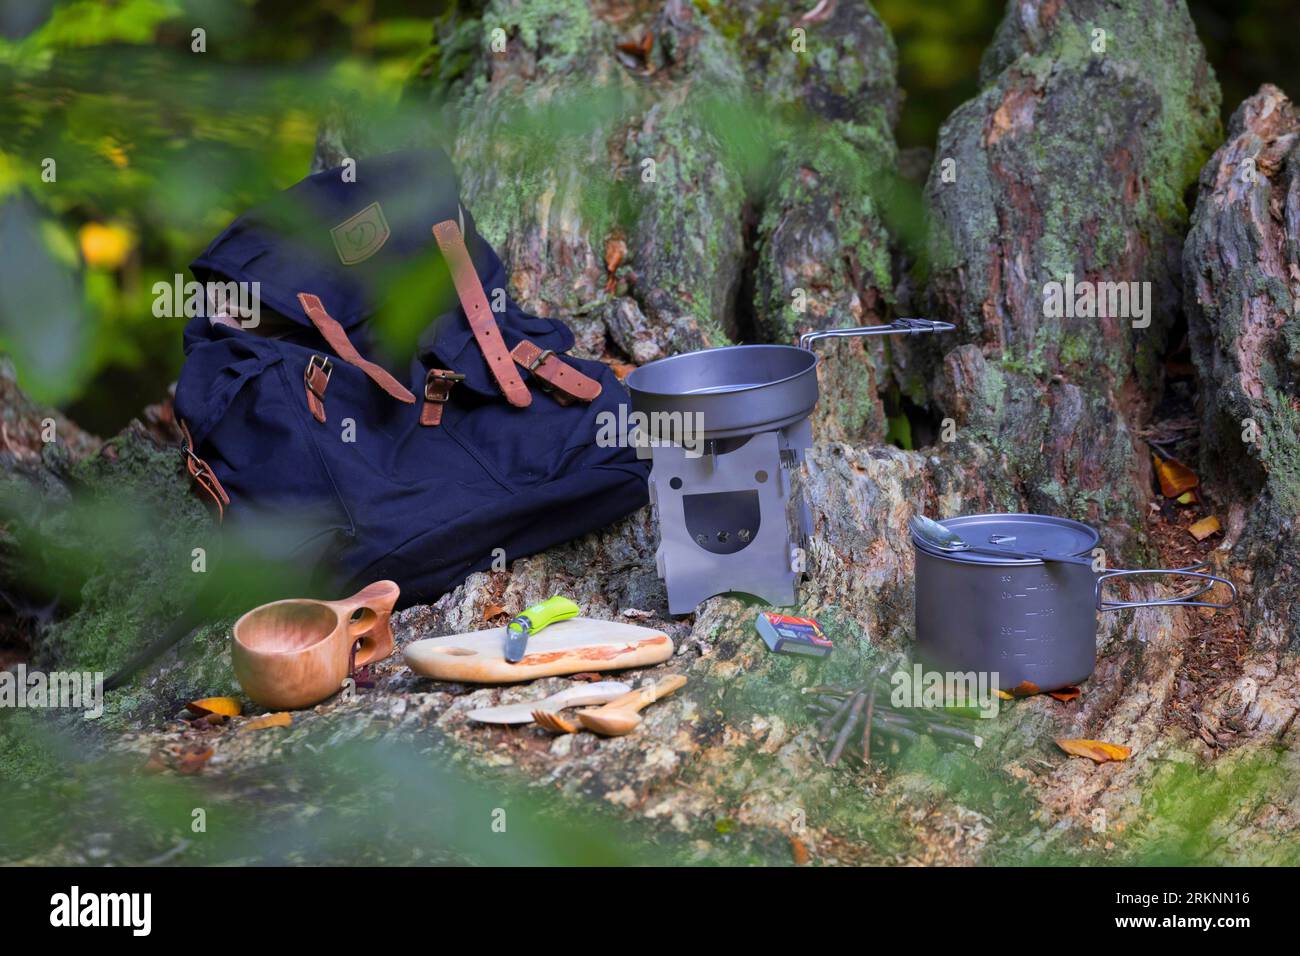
{"x": 316, "y": 377}
{"x": 437, "y": 389}
{"x": 202, "y": 475}
{"x": 555, "y": 373}
{"x": 337, "y": 338}
{"x": 479, "y": 315}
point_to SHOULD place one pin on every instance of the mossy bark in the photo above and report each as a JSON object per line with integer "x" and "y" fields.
{"x": 1242, "y": 274}
{"x": 1073, "y": 160}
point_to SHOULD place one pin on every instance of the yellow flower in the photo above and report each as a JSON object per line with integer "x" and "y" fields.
{"x": 104, "y": 245}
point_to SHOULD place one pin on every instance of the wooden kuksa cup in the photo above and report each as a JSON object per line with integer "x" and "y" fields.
{"x": 295, "y": 653}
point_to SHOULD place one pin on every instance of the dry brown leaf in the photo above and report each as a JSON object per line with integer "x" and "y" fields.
{"x": 1065, "y": 693}
{"x": 493, "y": 610}
{"x": 1025, "y": 689}
{"x": 1096, "y": 750}
{"x": 156, "y": 763}
{"x": 1204, "y": 528}
{"x": 801, "y": 854}
{"x": 639, "y": 48}
{"x": 193, "y": 760}
{"x": 282, "y": 719}
{"x": 1175, "y": 478}
{"x": 225, "y": 706}
{"x": 622, "y": 369}
{"x": 615, "y": 252}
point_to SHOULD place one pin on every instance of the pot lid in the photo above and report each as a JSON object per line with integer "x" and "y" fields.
{"x": 1020, "y": 532}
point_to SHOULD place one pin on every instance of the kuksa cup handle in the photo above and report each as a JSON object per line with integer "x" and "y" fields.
{"x": 369, "y": 614}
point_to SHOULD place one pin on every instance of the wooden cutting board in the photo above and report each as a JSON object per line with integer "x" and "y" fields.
{"x": 569, "y": 647}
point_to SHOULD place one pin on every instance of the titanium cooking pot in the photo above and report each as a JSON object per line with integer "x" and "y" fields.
{"x": 1025, "y": 619}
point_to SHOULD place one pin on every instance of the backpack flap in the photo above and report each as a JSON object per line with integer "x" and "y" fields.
{"x": 346, "y": 242}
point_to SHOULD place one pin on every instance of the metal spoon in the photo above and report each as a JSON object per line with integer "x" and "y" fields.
{"x": 945, "y": 539}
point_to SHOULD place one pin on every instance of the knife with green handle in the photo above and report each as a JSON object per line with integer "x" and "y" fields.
{"x": 532, "y": 619}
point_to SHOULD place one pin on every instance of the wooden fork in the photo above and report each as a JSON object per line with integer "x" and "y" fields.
{"x": 554, "y": 722}
{"x": 616, "y": 718}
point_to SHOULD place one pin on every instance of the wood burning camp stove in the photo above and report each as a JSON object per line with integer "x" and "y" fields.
{"x": 726, "y": 430}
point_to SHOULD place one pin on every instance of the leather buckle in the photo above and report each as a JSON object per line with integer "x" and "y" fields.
{"x": 542, "y": 356}
{"x": 322, "y": 364}
{"x": 435, "y": 377}
{"x": 202, "y": 473}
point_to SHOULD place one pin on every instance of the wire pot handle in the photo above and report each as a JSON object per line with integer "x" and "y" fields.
{"x": 898, "y": 326}
{"x": 1195, "y": 571}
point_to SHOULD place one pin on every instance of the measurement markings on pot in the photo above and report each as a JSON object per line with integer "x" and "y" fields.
{"x": 1038, "y": 644}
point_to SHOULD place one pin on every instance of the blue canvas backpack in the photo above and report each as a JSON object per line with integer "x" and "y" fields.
{"x": 483, "y": 445}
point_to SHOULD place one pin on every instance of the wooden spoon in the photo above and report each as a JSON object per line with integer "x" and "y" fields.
{"x": 620, "y": 715}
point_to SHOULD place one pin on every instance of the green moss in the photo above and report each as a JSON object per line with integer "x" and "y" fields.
{"x": 25, "y": 753}
{"x": 556, "y": 31}
{"x": 1190, "y": 811}
{"x": 1281, "y": 451}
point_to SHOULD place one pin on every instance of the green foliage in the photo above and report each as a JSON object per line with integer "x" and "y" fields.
{"x": 156, "y": 147}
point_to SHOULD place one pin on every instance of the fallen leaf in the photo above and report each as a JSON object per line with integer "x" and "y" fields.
{"x": 615, "y": 252}
{"x": 226, "y": 706}
{"x": 1096, "y": 750}
{"x": 193, "y": 760}
{"x": 1204, "y": 528}
{"x": 155, "y": 763}
{"x": 1188, "y": 498}
{"x": 1025, "y": 689}
{"x": 282, "y": 719}
{"x": 493, "y": 610}
{"x": 639, "y": 48}
{"x": 1004, "y": 695}
{"x": 801, "y": 854}
{"x": 1065, "y": 693}
{"x": 1175, "y": 478}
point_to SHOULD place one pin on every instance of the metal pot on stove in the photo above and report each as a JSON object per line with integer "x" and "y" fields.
{"x": 1025, "y": 619}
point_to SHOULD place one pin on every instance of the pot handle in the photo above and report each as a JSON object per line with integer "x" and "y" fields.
{"x": 1196, "y": 571}
{"x": 898, "y": 326}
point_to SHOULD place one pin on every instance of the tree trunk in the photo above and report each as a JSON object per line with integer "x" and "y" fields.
{"x": 1242, "y": 274}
